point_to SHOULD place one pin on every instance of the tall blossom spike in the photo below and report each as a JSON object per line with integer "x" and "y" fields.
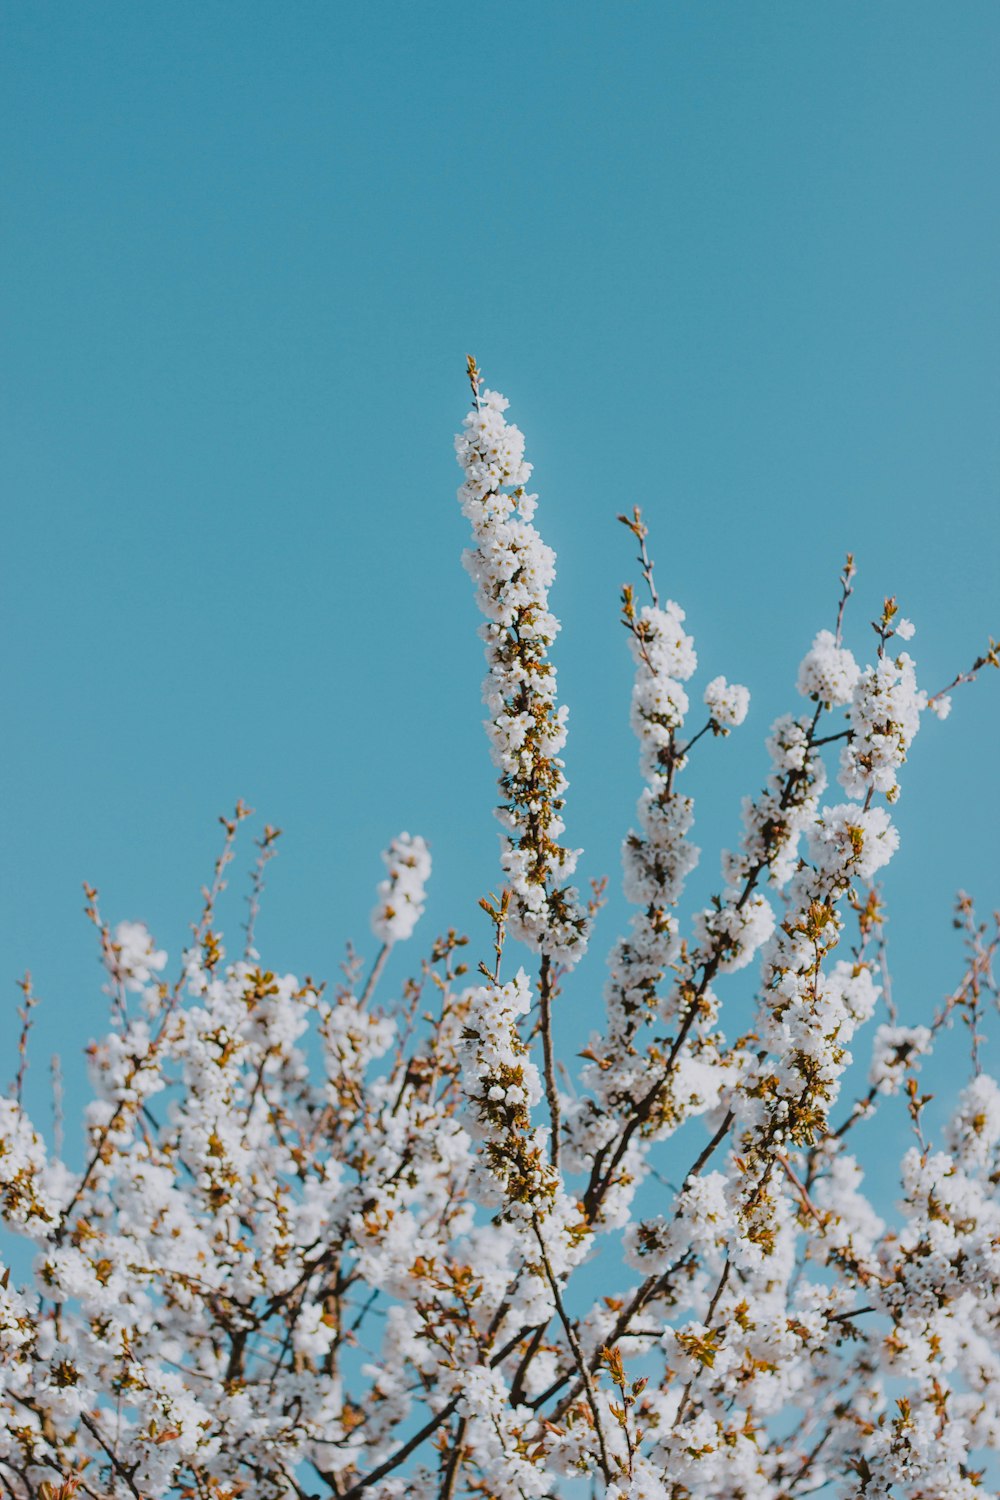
{"x": 513, "y": 569}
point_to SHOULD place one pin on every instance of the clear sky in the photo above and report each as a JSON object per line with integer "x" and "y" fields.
{"x": 734, "y": 262}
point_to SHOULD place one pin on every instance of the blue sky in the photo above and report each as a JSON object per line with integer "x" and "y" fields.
{"x": 735, "y": 263}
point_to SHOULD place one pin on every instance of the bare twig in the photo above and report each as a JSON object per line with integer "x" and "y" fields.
{"x": 545, "y": 991}
{"x": 58, "y": 1116}
{"x": 846, "y": 590}
{"x": 24, "y": 1015}
{"x": 266, "y": 850}
{"x": 989, "y": 658}
{"x": 577, "y": 1351}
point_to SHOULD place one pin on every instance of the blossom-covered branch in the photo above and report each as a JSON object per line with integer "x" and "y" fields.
{"x": 345, "y": 1243}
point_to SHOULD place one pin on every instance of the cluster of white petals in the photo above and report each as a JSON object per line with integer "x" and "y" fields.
{"x": 132, "y": 958}
{"x": 884, "y": 714}
{"x": 895, "y": 1050}
{"x": 376, "y": 1244}
{"x": 513, "y": 570}
{"x": 974, "y": 1128}
{"x": 402, "y": 894}
{"x": 852, "y": 842}
{"x": 727, "y": 703}
{"x": 513, "y": 1172}
{"x": 829, "y": 673}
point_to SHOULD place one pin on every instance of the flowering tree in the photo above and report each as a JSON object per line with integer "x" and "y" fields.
{"x": 318, "y": 1247}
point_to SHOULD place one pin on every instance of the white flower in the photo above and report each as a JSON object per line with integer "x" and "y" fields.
{"x": 666, "y": 648}
{"x": 885, "y": 715}
{"x": 828, "y": 672}
{"x": 895, "y": 1048}
{"x": 402, "y": 894}
{"x": 727, "y": 702}
{"x": 850, "y": 841}
{"x": 974, "y": 1129}
{"x": 134, "y": 960}
{"x": 313, "y": 1333}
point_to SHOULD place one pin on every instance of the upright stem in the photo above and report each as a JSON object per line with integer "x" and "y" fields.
{"x": 576, "y": 1350}
{"x": 548, "y": 1059}
{"x": 376, "y": 973}
{"x": 454, "y": 1462}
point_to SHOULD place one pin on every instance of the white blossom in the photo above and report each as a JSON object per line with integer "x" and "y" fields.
{"x": 974, "y": 1129}
{"x": 850, "y": 841}
{"x": 894, "y": 1049}
{"x": 133, "y": 959}
{"x": 402, "y": 893}
{"x": 727, "y": 702}
{"x": 376, "y": 1242}
{"x": 828, "y": 672}
{"x": 885, "y": 710}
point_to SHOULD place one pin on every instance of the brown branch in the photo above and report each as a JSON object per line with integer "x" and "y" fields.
{"x": 640, "y": 531}
{"x": 574, "y": 1344}
{"x": 454, "y": 1461}
{"x": 125, "y": 1471}
{"x": 545, "y": 989}
{"x": 846, "y": 590}
{"x": 716, "y": 1295}
{"x": 266, "y": 851}
{"x": 990, "y": 658}
{"x": 650, "y": 1288}
{"x": 376, "y": 973}
{"x": 24, "y": 1016}
{"x": 403, "y": 1453}
{"x": 713, "y": 1145}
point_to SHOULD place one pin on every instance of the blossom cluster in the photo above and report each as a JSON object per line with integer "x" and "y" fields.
{"x": 513, "y": 570}
{"x": 346, "y": 1244}
{"x": 401, "y": 895}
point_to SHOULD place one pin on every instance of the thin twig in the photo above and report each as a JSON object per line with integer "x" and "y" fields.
{"x": 454, "y": 1461}
{"x": 548, "y": 1062}
{"x": 24, "y": 1015}
{"x": 376, "y": 973}
{"x": 266, "y": 850}
{"x": 126, "y": 1472}
{"x": 989, "y": 658}
{"x": 846, "y": 590}
{"x": 403, "y": 1453}
{"x": 577, "y": 1352}
{"x": 58, "y": 1114}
